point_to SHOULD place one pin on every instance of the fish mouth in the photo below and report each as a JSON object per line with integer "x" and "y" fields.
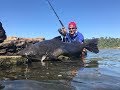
{"x": 34, "y": 58}
{"x": 30, "y": 54}
{"x": 30, "y": 57}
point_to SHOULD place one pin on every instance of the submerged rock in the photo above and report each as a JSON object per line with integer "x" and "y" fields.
{"x": 1, "y": 86}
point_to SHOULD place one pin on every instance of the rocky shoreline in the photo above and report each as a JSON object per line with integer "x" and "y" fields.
{"x": 11, "y": 46}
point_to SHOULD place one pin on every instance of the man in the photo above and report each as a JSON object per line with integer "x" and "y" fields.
{"x": 72, "y": 35}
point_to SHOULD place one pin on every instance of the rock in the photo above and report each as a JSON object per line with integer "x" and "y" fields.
{"x": 12, "y": 45}
{"x": 7, "y": 61}
{"x": 1, "y": 86}
{"x": 2, "y": 33}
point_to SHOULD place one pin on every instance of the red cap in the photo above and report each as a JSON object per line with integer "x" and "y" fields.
{"x": 72, "y": 23}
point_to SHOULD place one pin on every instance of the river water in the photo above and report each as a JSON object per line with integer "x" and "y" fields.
{"x": 99, "y": 72}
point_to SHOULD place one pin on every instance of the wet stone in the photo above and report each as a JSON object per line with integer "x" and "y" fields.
{"x": 12, "y": 45}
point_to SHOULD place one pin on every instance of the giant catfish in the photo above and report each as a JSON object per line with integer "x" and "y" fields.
{"x": 53, "y": 48}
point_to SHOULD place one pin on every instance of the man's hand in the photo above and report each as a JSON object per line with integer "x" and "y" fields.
{"x": 62, "y": 31}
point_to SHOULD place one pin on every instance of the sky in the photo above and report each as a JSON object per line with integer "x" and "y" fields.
{"x": 35, "y": 18}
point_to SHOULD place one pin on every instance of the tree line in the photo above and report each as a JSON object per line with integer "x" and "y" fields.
{"x": 108, "y": 42}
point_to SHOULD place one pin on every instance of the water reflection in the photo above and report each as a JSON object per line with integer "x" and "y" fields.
{"x": 93, "y": 79}
{"x": 52, "y": 70}
{"x": 98, "y": 72}
{"x": 103, "y": 75}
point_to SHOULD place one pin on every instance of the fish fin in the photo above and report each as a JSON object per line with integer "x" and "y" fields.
{"x": 91, "y": 45}
{"x": 58, "y": 38}
{"x": 57, "y": 52}
{"x": 43, "y": 58}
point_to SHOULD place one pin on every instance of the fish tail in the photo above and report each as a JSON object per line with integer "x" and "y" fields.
{"x": 92, "y": 45}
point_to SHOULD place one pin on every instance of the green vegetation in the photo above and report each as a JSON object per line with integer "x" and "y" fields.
{"x": 108, "y": 42}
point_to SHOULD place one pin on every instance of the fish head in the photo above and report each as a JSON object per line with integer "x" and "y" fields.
{"x": 28, "y": 51}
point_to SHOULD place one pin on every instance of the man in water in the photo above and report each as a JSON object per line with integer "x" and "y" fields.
{"x": 72, "y": 35}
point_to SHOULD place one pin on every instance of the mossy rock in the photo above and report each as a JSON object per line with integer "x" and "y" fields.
{"x": 11, "y": 60}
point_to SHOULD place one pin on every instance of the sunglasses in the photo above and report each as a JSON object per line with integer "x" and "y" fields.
{"x": 71, "y": 28}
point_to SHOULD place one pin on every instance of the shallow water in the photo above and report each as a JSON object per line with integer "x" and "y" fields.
{"x": 100, "y": 72}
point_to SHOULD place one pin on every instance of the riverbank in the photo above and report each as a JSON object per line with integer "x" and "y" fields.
{"x": 12, "y": 60}
{"x": 11, "y": 46}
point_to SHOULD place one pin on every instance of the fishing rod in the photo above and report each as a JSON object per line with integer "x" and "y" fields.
{"x": 55, "y": 13}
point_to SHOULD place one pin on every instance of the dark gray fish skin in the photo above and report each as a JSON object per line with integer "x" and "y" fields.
{"x": 52, "y": 49}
